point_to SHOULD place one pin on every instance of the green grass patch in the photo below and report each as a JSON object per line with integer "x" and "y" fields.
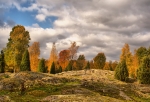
{"x": 102, "y": 89}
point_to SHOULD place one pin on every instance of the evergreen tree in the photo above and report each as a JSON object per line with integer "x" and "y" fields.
{"x": 2, "y": 63}
{"x": 60, "y": 69}
{"x": 143, "y": 73}
{"x": 80, "y": 62}
{"x": 46, "y": 69}
{"x": 121, "y": 71}
{"x": 25, "y": 63}
{"x": 69, "y": 66}
{"x": 87, "y": 65}
{"x": 141, "y": 52}
{"x": 41, "y": 66}
{"x": 52, "y": 71}
{"x": 99, "y": 61}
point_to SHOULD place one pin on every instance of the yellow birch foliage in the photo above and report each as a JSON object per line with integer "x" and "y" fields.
{"x": 34, "y": 52}
{"x": 53, "y": 57}
{"x": 135, "y": 65}
{"x": 127, "y": 56}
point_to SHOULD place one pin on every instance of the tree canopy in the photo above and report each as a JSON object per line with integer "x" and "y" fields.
{"x": 99, "y": 61}
{"x": 17, "y": 44}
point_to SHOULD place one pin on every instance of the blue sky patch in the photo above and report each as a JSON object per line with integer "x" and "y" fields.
{"x": 27, "y": 18}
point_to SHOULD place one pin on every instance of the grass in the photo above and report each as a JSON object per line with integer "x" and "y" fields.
{"x": 76, "y": 87}
{"x": 103, "y": 89}
{"x": 36, "y": 93}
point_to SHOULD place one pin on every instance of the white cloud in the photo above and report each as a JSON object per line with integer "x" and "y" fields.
{"x": 4, "y": 35}
{"x": 96, "y": 25}
{"x": 40, "y": 17}
{"x": 35, "y": 25}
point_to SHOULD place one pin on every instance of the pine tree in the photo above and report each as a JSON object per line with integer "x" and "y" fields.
{"x": 121, "y": 71}
{"x": 143, "y": 73}
{"x": 41, "y": 66}
{"x": 80, "y": 62}
{"x": 25, "y": 63}
{"x": 2, "y": 62}
{"x": 52, "y": 71}
{"x": 69, "y": 66}
{"x": 141, "y": 52}
{"x": 87, "y": 67}
{"x": 60, "y": 69}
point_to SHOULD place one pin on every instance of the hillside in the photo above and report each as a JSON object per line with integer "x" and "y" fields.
{"x": 72, "y": 86}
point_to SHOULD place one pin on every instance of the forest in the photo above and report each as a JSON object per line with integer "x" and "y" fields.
{"x": 18, "y": 56}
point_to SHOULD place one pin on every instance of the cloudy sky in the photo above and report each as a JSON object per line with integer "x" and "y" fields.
{"x": 96, "y": 25}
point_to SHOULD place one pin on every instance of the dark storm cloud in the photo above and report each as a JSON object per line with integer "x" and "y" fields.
{"x": 110, "y": 22}
{"x": 61, "y": 37}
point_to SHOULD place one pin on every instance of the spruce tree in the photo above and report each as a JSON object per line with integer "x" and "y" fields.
{"x": 46, "y": 69}
{"x": 60, "y": 69}
{"x": 25, "y": 63}
{"x": 2, "y": 63}
{"x": 69, "y": 67}
{"x": 41, "y": 66}
{"x": 143, "y": 73}
{"x": 52, "y": 71}
{"x": 87, "y": 65}
{"x": 121, "y": 71}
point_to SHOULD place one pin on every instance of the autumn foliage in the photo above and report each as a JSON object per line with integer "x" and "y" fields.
{"x": 17, "y": 44}
{"x": 34, "y": 51}
{"x": 19, "y": 56}
{"x": 99, "y": 61}
{"x": 53, "y": 57}
{"x": 63, "y": 58}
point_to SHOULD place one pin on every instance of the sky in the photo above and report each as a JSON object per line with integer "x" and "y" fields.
{"x": 95, "y": 25}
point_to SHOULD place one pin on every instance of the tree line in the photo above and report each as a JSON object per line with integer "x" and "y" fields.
{"x": 19, "y": 56}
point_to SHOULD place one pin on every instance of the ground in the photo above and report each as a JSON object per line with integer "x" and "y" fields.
{"x": 73, "y": 86}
